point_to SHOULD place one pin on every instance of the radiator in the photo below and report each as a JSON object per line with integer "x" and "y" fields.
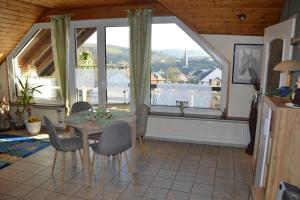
{"x": 210, "y": 131}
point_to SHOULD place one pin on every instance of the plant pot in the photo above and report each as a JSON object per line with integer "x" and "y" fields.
{"x": 33, "y": 127}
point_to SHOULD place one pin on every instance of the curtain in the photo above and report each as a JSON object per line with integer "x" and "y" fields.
{"x": 140, "y": 22}
{"x": 59, "y": 38}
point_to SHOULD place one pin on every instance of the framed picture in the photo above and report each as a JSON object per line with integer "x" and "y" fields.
{"x": 247, "y": 61}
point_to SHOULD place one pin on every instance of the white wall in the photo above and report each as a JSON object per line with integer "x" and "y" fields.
{"x": 240, "y": 95}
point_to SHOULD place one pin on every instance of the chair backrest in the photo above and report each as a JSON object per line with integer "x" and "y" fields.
{"x": 80, "y": 106}
{"x": 141, "y": 120}
{"x": 115, "y": 138}
{"x": 53, "y": 136}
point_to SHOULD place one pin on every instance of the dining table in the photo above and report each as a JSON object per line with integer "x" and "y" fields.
{"x": 88, "y": 123}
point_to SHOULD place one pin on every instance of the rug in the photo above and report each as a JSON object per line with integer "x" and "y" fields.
{"x": 14, "y": 148}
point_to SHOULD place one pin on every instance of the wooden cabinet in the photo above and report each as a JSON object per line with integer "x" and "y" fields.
{"x": 279, "y": 148}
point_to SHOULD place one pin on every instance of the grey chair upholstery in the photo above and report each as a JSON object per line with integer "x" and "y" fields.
{"x": 79, "y": 107}
{"x": 63, "y": 145}
{"x": 115, "y": 140}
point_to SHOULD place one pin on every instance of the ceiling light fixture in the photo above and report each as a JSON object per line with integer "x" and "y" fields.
{"x": 242, "y": 16}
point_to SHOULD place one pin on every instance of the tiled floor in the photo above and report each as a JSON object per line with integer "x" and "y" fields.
{"x": 172, "y": 171}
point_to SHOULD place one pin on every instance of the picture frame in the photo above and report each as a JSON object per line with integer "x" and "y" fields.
{"x": 247, "y": 61}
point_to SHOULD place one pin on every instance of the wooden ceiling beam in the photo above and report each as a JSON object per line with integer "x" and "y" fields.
{"x": 106, "y": 11}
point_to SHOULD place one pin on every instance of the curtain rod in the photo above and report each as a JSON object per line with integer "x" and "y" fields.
{"x": 71, "y": 14}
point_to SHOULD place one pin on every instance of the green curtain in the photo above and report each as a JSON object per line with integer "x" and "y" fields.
{"x": 59, "y": 40}
{"x": 140, "y": 22}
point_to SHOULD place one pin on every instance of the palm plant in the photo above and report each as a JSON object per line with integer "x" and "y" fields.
{"x": 26, "y": 98}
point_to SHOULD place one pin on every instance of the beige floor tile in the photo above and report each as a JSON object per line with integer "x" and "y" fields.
{"x": 182, "y": 186}
{"x": 107, "y": 195}
{"x": 205, "y": 179}
{"x": 36, "y": 180}
{"x": 58, "y": 196}
{"x": 8, "y": 172}
{"x": 224, "y": 192}
{"x": 136, "y": 190}
{"x": 200, "y": 197}
{"x": 129, "y": 197}
{"x": 7, "y": 197}
{"x": 202, "y": 189}
{"x": 20, "y": 190}
{"x": 156, "y": 193}
{"x": 86, "y": 192}
{"x": 176, "y": 195}
{"x": 162, "y": 183}
{"x": 7, "y": 185}
{"x": 117, "y": 186}
{"x": 38, "y": 194}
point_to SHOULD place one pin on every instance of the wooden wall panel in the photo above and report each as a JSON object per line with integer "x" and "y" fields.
{"x": 16, "y": 18}
{"x": 203, "y": 16}
{"x": 105, "y": 12}
{"x": 221, "y": 16}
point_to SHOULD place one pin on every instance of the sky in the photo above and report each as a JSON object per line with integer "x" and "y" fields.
{"x": 164, "y": 36}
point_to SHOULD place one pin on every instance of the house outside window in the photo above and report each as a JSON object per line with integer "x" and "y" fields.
{"x": 181, "y": 71}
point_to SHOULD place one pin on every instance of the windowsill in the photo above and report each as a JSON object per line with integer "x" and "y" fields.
{"x": 197, "y": 116}
{"x": 216, "y": 113}
{"x": 41, "y": 105}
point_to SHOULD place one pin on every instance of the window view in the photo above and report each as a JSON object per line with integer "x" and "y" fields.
{"x": 117, "y": 65}
{"x": 35, "y": 62}
{"x": 182, "y": 71}
{"x": 86, "y": 75}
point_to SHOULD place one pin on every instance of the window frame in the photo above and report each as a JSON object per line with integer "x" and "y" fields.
{"x": 11, "y": 62}
{"x": 210, "y": 50}
{"x": 101, "y": 24}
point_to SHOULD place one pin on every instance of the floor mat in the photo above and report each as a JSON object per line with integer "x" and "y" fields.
{"x": 14, "y": 148}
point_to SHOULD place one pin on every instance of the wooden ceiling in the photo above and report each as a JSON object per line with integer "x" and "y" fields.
{"x": 203, "y": 16}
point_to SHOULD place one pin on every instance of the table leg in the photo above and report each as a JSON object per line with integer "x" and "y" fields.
{"x": 73, "y": 153}
{"x": 133, "y": 146}
{"x": 86, "y": 157}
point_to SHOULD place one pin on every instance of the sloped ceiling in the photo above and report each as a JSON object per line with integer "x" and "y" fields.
{"x": 203, "y": 16}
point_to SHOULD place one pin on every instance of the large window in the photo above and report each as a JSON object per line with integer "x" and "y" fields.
{"x": 35, "y": 62}
{"x": 181, "y": 71}
{"x": 86, "y": 70}
{"x": 117, "y": 65}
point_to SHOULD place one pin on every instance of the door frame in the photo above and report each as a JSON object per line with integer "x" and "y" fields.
{"x": 285, "y": 31}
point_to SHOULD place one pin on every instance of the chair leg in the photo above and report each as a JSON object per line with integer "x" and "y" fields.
{"x": 129, "y": 167}
{"x": 119, "y": 158}
{"x": 63, "y": 167}
{"x": 142, "y": 147}
{"x": 92, "y": 164}
{"x": 81, "y": 159}
{"x": 102, "y": 173}
{"x": 54, "y": 162}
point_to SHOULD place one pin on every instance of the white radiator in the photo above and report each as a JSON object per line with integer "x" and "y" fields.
{"x": 212, "y": 131}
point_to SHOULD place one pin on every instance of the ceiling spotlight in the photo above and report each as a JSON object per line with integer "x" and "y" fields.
{"x": 242, "y": 16}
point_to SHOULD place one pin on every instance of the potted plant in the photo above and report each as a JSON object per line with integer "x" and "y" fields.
{"x": 25, "y": 100}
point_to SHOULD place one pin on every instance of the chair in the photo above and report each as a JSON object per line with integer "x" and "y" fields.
{"x": 63, "y": 145}
{"x": 79, "y": 107}
{"x": 115, "y": 140}
{"x": 141, "y": 124}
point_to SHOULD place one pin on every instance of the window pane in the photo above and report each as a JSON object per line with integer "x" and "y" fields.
{"x": 86, "y": 72}
{"x": 117, "y": 65}
{"x": 35, "y": 61}
{"x": 182, "y": 71}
